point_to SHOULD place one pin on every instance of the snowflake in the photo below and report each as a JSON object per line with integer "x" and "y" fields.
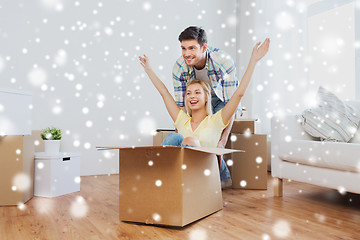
{"x": 282, "y": 229}
{"x": 37, "y": 76}
{"x": 79, "y": 207}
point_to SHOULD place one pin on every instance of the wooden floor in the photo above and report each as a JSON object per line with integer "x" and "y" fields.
{"x": 305, "y": 212}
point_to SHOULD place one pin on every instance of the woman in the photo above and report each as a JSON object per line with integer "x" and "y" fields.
{"x": 201, "y": 124}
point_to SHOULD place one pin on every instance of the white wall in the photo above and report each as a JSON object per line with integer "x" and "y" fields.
{"x": 279, "y": 82}
{"x": 79, "y": 59}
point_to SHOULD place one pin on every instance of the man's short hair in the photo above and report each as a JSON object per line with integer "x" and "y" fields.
{"x": 194, "y": 32}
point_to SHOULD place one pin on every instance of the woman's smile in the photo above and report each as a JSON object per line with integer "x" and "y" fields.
{"x": 193, "y": 102}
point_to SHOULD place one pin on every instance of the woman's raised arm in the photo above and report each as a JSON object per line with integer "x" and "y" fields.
{"x": 169, "y": 101}
{"x": 231, "y": 106}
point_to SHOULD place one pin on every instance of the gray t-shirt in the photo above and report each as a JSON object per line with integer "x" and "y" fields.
{"x": 202, "y": 74}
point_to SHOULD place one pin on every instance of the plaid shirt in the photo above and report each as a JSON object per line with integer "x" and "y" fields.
{"x": 221, "y": 70}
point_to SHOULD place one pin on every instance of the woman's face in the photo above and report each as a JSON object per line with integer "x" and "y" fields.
{"x": 195, "y": 97}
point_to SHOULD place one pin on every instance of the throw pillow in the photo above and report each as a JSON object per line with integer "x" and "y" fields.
{"x": 332, "y": 119}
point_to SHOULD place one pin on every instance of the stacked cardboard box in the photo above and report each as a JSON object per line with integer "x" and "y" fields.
{"x": 249, "y": 169}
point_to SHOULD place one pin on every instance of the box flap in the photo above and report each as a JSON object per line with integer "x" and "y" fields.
{"x": 217, "y": 151}
{"x": 147, "y": 147}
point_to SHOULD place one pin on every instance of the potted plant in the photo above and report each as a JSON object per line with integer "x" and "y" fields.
{"x": 52, "y": 138}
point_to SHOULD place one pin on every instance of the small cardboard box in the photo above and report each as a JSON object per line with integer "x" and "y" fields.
{"x": 166, "y": 185}
{"x": 159, "y": 136}
{"x": 17, "y": 169}
{"x": 245, "y": 126}
{"x": 249, "y": 169}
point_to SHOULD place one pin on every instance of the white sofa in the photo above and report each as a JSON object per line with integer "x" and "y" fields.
{"x": 297, "y": 156}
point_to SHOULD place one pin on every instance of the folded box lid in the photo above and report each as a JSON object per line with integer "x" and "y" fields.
{"x": 217, "y": 151}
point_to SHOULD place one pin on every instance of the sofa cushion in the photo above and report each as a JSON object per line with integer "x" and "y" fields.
{"x": 333, "y": 155}
{"x": 332, "y": 119}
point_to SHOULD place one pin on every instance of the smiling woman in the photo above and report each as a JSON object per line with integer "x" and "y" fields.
{"x": 198, "y": 92}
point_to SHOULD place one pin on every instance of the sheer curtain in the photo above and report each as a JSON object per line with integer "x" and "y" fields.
{"x": 334, "y": 46}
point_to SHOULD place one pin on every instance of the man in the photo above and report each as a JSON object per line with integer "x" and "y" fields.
{"x": 200, "y": 61}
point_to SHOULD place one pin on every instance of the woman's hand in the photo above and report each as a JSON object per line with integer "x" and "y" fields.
{"x": 145, "y": 62}
{"x": 231, "y": 106}
{"x": 260, "y": 52}
{"x": 169, "y": 101}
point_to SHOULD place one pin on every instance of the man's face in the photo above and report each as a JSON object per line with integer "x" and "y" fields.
{"x": 193, "y": 53}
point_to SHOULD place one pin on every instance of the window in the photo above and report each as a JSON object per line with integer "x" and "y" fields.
{"x": 333, "y": 47}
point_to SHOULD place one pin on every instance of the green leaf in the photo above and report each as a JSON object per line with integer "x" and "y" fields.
{"x": 51, "y": 133}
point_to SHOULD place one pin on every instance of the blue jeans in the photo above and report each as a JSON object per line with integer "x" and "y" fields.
{"x": 175, "y": 139}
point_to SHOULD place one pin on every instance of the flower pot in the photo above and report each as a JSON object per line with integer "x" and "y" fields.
{"x": 52, "y": 146}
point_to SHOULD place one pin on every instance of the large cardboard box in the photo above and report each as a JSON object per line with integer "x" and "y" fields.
{"x": 249, "y": 169}
{"x": 168, "y": 185}
{"x": 160, "y": 135}
{"x": 17, "y": 169}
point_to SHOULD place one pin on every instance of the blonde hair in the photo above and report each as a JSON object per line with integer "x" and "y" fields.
{"x": 207, "y": 90}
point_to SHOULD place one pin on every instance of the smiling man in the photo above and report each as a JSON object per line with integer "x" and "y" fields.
{"x": 200, "y": 61}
